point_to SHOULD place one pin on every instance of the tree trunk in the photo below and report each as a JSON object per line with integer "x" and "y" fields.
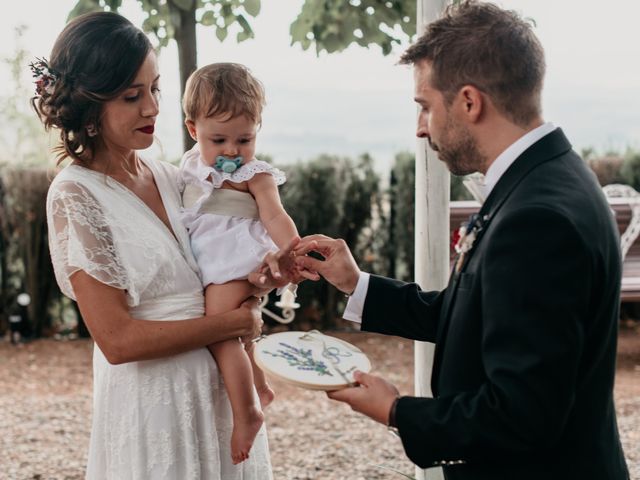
{"x": 185, "y": 36}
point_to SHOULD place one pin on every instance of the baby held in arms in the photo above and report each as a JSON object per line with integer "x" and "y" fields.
{"x": 234, "y": 216}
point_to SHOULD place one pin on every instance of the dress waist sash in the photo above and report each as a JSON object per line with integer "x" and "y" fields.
{"x": 222, "y": 201}
{"x": 175, "y": 307}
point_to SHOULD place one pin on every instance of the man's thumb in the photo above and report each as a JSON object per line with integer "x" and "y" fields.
{"x": 310, "y": 263}
{"x": 361, "y": 378}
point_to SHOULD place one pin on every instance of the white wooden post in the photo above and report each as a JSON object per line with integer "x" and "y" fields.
{"x": 431, "y": 232}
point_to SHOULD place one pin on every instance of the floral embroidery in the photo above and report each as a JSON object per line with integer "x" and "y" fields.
{"x": 301, "y": 359}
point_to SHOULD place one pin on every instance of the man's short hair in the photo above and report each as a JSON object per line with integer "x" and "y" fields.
{"x": 223, "y": 89}
{"x": 493, "y": 49}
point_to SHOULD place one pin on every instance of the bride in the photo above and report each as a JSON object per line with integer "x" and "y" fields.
{"x": 160, "y": 408}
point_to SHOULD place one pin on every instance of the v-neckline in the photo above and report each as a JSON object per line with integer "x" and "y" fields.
{"x": 168, "y": 228}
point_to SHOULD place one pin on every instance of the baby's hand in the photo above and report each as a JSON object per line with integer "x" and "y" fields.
{"x": 279, "y": 269}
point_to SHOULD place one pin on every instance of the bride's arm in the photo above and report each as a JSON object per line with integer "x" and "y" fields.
{"x": 123, "y": 338}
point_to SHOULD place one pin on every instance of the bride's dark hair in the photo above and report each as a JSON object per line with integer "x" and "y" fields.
{"x": 94, "y": 59}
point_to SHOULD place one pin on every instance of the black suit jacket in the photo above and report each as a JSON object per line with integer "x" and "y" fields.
{"x": 525, "y": 333}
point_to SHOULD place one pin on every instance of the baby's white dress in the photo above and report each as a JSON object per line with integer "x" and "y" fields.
{"x": 164, "y": 419}
{"x": 227, "y": 244}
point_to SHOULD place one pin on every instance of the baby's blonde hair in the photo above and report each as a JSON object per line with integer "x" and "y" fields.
{"x": 223, "y": 89}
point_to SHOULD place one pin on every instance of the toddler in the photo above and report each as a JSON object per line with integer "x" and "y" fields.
{"x": 233, "y": 213}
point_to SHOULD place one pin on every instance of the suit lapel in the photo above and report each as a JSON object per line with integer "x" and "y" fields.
{"x": 547, "y": 148}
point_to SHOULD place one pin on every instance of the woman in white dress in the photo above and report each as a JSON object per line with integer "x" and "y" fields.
{"x": 118, "y": 248}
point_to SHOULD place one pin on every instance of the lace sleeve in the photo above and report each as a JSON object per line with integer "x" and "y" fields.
{"x": 80, "y": 238}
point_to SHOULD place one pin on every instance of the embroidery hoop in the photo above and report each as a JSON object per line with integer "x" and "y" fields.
{"x": 310, "y": 360}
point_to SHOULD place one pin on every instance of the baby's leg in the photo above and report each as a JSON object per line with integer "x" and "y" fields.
{"x": 265, "y": 393}
{"x": 236, "y": 370}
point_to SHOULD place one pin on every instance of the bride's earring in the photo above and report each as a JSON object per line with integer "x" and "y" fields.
{"x": 92, "y": 131}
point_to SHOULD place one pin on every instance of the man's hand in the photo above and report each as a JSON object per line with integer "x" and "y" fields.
{"x": 338, "y": 267}
{"x": 373, "y": 397}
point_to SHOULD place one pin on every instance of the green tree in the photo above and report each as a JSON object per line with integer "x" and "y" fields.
{"x": 333, "y": 25}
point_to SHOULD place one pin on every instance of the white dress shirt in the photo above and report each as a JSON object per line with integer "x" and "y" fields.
{"x": 355, "y": 305}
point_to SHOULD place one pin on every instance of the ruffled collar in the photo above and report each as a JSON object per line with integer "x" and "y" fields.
{"x": 202, "y": 172}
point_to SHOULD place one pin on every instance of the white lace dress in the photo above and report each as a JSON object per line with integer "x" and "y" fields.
{"x": 156, "y": 419}
{"x": 226, "y": 246}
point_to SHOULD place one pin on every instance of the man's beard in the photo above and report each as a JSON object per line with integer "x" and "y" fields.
{"x": 459, "y": 151}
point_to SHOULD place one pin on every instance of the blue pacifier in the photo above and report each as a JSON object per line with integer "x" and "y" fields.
{"x": 226, "y": 164}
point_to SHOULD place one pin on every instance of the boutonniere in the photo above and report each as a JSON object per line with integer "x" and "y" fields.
{"x": 464, "y": 238}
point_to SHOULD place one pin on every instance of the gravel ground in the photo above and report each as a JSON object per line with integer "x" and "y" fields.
{"x": 45, "y": 409}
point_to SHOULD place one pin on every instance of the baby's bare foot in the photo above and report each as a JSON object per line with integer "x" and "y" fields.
{"x": 244, "y": 433}
{"x": 266, "y": 395}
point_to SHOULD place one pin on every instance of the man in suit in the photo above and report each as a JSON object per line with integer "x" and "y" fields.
{"x": 526, "y": 329}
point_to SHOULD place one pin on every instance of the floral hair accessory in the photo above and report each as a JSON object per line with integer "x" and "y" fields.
{"x": 464, "y": 238}
{"x": 45, "y": 76}
{"x": 226, "y": 164}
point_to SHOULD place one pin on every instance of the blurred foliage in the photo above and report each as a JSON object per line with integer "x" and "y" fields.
{"x": 8, "y": 291}
{"x": 400, "y": 246}
{"x": 333, "y": 25}
{"x": 630, "y": 171}
{"x": 458, "y": 190}
{"x": 614, "y": 167}
{"x": 24, "y": 148}
{"x": 23, "y": 141}
{"x": 607, "y": 169}
{"x": 164, "y": 18}
{"x": 26, "y": 261}
{"x": 333, "y": 196}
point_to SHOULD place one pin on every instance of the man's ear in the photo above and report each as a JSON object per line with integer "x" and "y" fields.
{"x": 191, "y": 126}
{"x": 471, "y": 102}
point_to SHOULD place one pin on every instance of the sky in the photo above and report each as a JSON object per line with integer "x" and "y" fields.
{"x": 360, "y": 101}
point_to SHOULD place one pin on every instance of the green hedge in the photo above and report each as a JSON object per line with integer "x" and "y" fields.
{"x": 337, "y": 196}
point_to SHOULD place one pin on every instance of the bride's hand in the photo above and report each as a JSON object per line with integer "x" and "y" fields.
{"x": 252, "y": 315}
